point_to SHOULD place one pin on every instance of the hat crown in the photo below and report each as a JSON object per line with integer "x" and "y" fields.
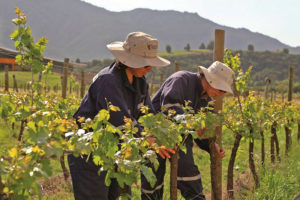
{"x": 141, "y": 44}
{"x": 221, "y": 71}
{"x": 138, "y": 50}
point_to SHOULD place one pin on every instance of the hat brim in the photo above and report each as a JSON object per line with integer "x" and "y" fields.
{"x": 215, "y": 81}
{"x": 132, "y": 60}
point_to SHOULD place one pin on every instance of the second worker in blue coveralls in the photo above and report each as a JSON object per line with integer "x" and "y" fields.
{"x": 198, "y": 89}
{"x": 124, "y": 85}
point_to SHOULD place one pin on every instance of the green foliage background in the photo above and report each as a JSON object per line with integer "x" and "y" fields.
{"x": 265, "y": 63}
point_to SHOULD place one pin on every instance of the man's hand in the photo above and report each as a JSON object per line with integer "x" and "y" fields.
{"x": 201, "y": 132}
{"x": 221, "y": 152}
{"x": 162, "y": 150}
{"x": 165, "y": 152}
{"x": 151, "y": 140}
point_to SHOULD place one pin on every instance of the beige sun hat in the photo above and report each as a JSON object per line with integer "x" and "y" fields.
{"x": 219, "y": 76}
{"x": 138, "y": 50}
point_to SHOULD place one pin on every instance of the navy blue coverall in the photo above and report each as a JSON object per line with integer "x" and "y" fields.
{"x": 109, "y": 85}
{"x": 180, "y": 87}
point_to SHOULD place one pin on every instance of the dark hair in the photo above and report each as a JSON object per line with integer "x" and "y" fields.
{"x": 122, "y": 66}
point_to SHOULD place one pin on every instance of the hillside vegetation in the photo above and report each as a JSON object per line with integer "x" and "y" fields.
{"x": 273, "y": 65}
{"x": 265, "y": 64}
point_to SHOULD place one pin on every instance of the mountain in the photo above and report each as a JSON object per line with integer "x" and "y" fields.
{"x": 76, "y": 29}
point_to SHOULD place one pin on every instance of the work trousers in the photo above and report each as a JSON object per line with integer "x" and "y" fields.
{"x": 87, "y": 183}
{"x": 188, "y": 178}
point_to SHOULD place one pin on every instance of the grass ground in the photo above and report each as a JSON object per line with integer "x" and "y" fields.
{"x": 24, "y": 77}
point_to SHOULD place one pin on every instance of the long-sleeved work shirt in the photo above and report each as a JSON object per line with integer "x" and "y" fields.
{"x": 112, "y": 85}
{"x": 180, "y": 87}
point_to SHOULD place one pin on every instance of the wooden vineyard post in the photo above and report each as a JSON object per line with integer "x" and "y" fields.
{"x": 64, "y": 95}
{"x": 70, "y": 89}
{"x": 40, "y": 76}
{"x": 215, "y": 163}
{"x": 6, "y": 84}
{"x": 266, "y": 92}
{"x": 151, "y": 84}
{"x": 177, "y": 66}
{"x": 288, "y": 131}
{"x": 261, "y": 132}
{"x": 15, "y": 84}
{"x": 77, "y": 90}
{"x": 1, "y": 188}
{"x": 291, "y": 80}
{"x": 298, "y": 135}
{"x": 161, "y": 78}
{"x": 173, "y": 175}
{"x": 273, "y": 132}
{"x": 82, "y": 89}
{"x": 65, "y": 79}
{"x": 272, "y": 97}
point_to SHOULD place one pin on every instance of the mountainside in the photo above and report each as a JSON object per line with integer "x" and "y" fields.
{"x": 80, "y": 30}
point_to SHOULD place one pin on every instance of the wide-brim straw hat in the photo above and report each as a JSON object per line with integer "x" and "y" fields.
{"x": 138, "y": 50}
{"x": 219, "y": 76}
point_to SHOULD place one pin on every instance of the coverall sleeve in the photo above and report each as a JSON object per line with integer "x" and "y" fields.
{"x": 203, "y": 144}
{"x": 172, "y": 95}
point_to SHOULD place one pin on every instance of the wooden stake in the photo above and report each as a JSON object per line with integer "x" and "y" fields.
{"x": 266, "y": 92}
{"x": 216, "y": 164}
{"x": 251, "y": 159}
{"x": 291, "y": 80}
{"x": 151, "y": 84}
{"x": 1, "y": 188}
{"x": 161, "y": 78}
{"x": 15, "y": 84}
{"x": 173, "y": 176}
{"x": 288, "y": 131}
{"x": 6, "y": 84}
{"x": 64, "y": 95}
{"x": 40, "y": 76}
{"x": 272, "y": 144}
{"x": 298, "y": 135}
{"x": 262, "y": 147}
{"x": 177, "y": 66}
{"x": 272, "y": 95}
{"x": 63, "y": 166}
{"x": 65, "y": 79}
{"x": 82, "y": 89}
{"x": 70, "y": 89}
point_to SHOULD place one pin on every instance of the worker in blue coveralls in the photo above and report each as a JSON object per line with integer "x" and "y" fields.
{"x": 198, "y": 89}
{"x": 124, "y": 85}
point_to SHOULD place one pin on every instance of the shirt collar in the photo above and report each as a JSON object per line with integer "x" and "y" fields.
{"x": 200, "y": 88}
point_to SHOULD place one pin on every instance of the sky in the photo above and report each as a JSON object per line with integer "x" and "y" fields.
{"x": 279, "y": 19}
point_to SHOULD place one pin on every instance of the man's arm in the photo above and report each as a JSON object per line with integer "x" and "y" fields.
{"x": 172, "y": 95}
